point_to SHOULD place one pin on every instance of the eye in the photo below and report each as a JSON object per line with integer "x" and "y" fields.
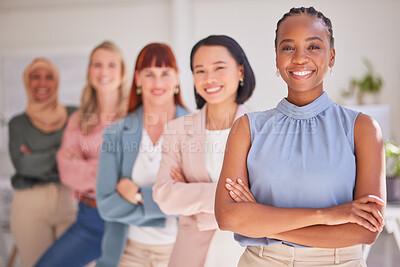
{"x": 287, "y": 48}
{"x": 220, "y": 68}
{"x": 50, "y": 77}
{"x": 199, "y": 71}
{"x": 149, "y": 75}
{"x": 35, "y": 77}
{"x": 165, "y": 74}
{"x": 314, "y": 47}
{"x": 113, "y": 65}
{"x": 96, "y": 65}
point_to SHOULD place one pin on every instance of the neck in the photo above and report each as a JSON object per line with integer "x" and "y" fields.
{"x": 158, "y": 115}
{"x": 220, "y": 116}
{"x": 108, "y": 105}
{"x": 303, "y": 98}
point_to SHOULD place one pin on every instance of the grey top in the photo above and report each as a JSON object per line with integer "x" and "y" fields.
{"x": 40, "y": 166}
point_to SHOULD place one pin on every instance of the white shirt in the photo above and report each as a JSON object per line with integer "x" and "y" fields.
{"x": 144, "y": 173}
{"x": 215, "y": 150}
{"x": 223, "y": 250}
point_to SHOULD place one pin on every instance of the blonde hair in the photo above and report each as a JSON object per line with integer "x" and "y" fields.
{"x": 89, "y": 106}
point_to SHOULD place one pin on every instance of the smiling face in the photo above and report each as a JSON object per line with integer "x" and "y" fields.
{"x": 216, "y": 74}
{"x": 158, "y": 84}
{"x": 303, "y": 53}
{"x": 105, "y": 70}
{"x": 42, "y": 84}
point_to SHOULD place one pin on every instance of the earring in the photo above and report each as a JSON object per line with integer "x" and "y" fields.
{"x": 241, "y": 82}
{"x": 331, "y": 71}
{"x": 138, "y": 90}
{"x": 277, "y": 73}
{"x": 176, "y": 90}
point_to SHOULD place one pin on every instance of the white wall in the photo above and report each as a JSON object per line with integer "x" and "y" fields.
{"x": 362, "y": 28}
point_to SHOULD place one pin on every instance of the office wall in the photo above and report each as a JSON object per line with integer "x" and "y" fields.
{"x": 362, "y": 28}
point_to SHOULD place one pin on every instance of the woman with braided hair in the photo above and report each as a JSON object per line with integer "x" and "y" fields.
{"x": 303, "y": 182}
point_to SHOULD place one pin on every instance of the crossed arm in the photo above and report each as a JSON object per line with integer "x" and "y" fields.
{"x": 356, "y": 222}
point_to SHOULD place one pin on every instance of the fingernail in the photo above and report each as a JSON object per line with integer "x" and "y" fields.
{"x": 231, "y": 192}
{"x": 240, "y": 181}
{"x": 228, "y": 185}
{"x": 228, "y": 180}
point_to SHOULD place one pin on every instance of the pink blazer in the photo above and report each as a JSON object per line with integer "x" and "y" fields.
{"x": 184, "y": 148}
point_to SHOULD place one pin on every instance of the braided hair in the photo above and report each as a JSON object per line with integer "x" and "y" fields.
{"x": 309, "y": 11}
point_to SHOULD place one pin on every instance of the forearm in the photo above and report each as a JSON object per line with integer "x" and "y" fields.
{"x": 36, "y": 164}
{"x": 329, "y": 236}
{"x": 257, "y": 220}
{"x": 184, "y": 198}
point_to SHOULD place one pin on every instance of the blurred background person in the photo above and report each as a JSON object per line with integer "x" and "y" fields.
{"x": 103, "y": 102}
{"x": 42, "y": 208}
{"x": 129, "y": 162}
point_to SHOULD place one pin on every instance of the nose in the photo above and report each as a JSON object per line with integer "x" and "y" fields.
{"x": 300, "y": 57}
{"x": 104, "y": 70}
{"x": 42, "y": 81}
{"x": 210, "y": 77}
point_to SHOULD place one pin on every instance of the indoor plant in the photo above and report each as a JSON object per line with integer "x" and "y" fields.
{"x": 369, "y": 85}
{"x": 392, "y": 153}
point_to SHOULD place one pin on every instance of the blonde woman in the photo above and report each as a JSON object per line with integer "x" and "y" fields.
{"x": 102, "y": 103}
{"x": 42, "y": 208}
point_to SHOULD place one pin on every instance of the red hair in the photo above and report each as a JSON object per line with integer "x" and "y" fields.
{"x": 153, "y": 55}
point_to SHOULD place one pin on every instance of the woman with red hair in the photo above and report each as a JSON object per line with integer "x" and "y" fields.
{"x": 138, "y": 232}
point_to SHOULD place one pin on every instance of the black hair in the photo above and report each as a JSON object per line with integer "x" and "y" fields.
{"x": 309, "y": 11}
{"x": 244, "y": 92}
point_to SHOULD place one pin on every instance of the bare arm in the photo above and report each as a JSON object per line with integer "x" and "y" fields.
{"x": 257, "y": 220}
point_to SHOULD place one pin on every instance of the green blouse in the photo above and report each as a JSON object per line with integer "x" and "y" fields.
{"x": 40, "y": 166}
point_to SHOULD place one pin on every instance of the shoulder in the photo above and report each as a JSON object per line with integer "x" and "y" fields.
{"x": 366, "y": 127}
{"x": 180, "y": 111}
{"x": 241, "y": 126}
{"x": 186, "y": 122}
{"x": 259, "y": 119}
{"x": 18, "y": 120}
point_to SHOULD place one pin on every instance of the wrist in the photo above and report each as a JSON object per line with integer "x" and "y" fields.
{"x": 138, "y": 195}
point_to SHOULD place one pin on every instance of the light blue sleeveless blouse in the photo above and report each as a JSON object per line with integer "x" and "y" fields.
{"x": 301, "y": 157}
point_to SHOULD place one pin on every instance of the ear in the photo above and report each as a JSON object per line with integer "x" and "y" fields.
{"x": 332, "y": 58}
{"x": 241, "y": 71}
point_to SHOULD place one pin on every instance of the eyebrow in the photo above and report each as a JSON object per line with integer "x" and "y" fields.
{"x": 307, "y": 40}
{"x": 216, "y": 62}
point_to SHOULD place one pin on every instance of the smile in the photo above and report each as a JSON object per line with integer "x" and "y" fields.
{"x": 213, "y": 90}
{"x": 104, "y": 80}
{"x": 157, "y": 91}
{"x": 301, "y": 75}
{"x": 42, "y": 91}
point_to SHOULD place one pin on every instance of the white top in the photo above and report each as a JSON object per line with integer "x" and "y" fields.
{"x": 223, "y": 250}
{"x": 215, "y": 142}
{"x": 144, "y": 174}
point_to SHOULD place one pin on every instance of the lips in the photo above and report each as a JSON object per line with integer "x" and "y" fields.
{"x": 302, "y": 75}
{"x": 158, "y": 92}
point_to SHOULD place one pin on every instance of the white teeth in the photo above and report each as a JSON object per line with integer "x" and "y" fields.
{"x": 214, "y": 89}
{"x": 301, "y": 73}
{"x": 42, "y": 90}
{"x": 105, "y": 80}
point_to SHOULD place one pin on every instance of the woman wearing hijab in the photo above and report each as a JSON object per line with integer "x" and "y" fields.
{"x": 42, "y": 208}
